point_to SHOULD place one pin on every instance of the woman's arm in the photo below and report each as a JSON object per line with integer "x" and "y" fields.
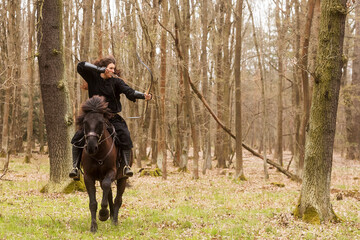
{"x": 86, "y": 70}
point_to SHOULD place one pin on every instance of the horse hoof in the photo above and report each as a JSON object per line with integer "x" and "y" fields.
{"x": 93, "y": 228}
{"x": 103, "y": 214}
{"x": 115, "y": 222}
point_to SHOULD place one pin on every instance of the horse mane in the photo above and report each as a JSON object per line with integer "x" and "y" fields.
{"x": 96, "y": 104}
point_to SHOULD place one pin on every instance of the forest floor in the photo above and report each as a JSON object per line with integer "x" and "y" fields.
{"x": 212, "y": 207}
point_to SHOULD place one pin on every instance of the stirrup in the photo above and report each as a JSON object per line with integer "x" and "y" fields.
{"x": 127, "y": 171}
{"x": 75, "y": 174}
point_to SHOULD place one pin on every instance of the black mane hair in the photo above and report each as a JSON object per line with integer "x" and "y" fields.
{"x": 96, "y": 104}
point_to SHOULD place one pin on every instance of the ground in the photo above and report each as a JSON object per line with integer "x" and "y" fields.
{"x": 212, "y": 207}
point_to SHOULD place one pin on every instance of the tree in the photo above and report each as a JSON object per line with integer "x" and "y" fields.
{"x": 315, "y": 203}
{"x": 263, "y": 91}
{"x": 239, "y": 153}
{"x": 281, "y": 26}
{"x": 163, "y": 67}
{"x": 57, "y": 112}
{"x": 299, "y": 159}
{"x": 31, "y": 31}
{"x": 352, "y": 95}
{"x": 205, "y": 86}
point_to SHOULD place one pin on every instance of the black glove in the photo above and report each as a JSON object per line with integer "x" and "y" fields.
{"x": 94, "y": 67}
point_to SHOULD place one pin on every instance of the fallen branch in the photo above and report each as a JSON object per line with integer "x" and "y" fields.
{"x": 201, "y": 97}
{"x": 278, "y": 166}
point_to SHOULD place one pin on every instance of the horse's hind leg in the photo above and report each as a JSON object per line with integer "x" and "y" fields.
{"x": 90, "y": 187}
{"x": 106, "y": 187}
{"x": 121, "y": 183}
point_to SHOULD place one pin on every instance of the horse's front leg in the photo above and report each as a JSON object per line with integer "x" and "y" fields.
{"x": 121, "y": 184}
{"x": 106, "y": 187}
{"x": 91, "y": 190}
{"x": 111, "y": 204}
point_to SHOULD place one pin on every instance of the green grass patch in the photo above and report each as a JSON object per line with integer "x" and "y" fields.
{"x": 212, "y": 207}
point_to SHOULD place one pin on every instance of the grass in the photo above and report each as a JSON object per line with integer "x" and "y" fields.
{"x": 212, "y": 207}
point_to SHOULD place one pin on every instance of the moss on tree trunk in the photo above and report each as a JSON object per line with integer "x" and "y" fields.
{"x": 315, "y": 206}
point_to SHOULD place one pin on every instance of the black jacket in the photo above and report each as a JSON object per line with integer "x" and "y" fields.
{"x": 109, "y": 88}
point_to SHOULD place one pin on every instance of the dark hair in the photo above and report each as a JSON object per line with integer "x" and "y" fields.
{"x": 95, "y": 104}
{"x": 104, "y": 62}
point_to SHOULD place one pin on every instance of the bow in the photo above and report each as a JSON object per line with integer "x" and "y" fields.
{"x": 148, "y": 90}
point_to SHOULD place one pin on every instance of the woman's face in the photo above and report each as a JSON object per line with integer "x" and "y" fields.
{"x": 110, "y": 69}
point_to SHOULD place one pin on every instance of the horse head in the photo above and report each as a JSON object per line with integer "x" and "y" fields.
{"x": 94, "y": 114}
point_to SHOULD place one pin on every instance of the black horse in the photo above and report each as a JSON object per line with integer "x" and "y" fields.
{"x": 100, "y": 159}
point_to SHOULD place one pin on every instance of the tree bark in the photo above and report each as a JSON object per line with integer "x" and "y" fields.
{"x": 58, "y": 120}
{"x": 239, "y": 170}
{"x": 352, "y": 96}
{"x": 163, "y": 67}
{"x": 98, "y": 41}
{"x": 85, "y": 41}
{"x": 218, "y": 51}
{"x": 205, "y": 87}
{"x": 31, "y": 27}
{"x": 315, "y": 203}
{"x": 299, "y": 160}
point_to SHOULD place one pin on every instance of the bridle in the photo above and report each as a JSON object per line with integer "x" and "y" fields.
{"x": 100, "y": 141}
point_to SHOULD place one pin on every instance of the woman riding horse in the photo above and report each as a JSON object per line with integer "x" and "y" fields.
{"x": 99, "y": 159}
{"x": 101, "y": 78}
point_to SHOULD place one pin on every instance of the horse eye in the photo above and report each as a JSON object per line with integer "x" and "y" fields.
{"x": 86, "y": 126}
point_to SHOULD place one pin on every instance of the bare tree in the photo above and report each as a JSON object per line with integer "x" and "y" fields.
{"x": 352, "y": 95}
{"x": 315, "y": 203}
{"x": 263, "y": 92}
{"x": 163, "y": 67}
{"x": 31, "y": 32}
{"x": 299, "y": 159}
{"x": 58, "y": 116}
{"x": 205, "y": 86}
{"x": 238, "y": 126}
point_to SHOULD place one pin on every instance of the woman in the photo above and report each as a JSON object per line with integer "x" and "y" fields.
{"x": 101, "y": 80}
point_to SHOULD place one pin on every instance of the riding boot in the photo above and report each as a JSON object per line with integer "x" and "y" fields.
{"x": 126, "y": 154}
{"x": 75, "y": 173}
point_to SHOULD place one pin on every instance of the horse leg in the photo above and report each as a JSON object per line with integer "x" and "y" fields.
{"x": 90, "y": 187}
{"x": 106, "y": 186}
{"x": 121, "y": 183}
{"x": 111, "y": 204}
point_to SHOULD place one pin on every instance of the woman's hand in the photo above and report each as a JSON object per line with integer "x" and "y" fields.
{"x": 148, "y": 96}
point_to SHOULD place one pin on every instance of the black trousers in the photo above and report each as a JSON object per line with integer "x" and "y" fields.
{"x": 123, "y": 139}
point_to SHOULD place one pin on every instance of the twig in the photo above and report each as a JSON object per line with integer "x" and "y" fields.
{"x": 4, "y": 173}
{"x": 6, "y": 166}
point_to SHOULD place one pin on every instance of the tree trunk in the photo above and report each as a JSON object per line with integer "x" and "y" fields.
{"x": 85, "y": 41}
{"x": 226, "y": 84}
{"x": 154, "y": 105}
{"x": 31, "y": 27}
{"x": 315, "y": 203}
{"x": 42, "y": 140}
{"x": 263, "y": 92}
{"x": 54, "y": 92}
{"x": 219, "y": 145}
{"x": 281, "y": 25}
{"x": 205, "y": 87}
{"x": 98, "y": 41}
{"x": 352, "y": 96}
{"x": 163, "y": 66}
{"x": 299, "y": 160}
{"x": 296, "y": 89}
{"x": 239, "y": 153}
